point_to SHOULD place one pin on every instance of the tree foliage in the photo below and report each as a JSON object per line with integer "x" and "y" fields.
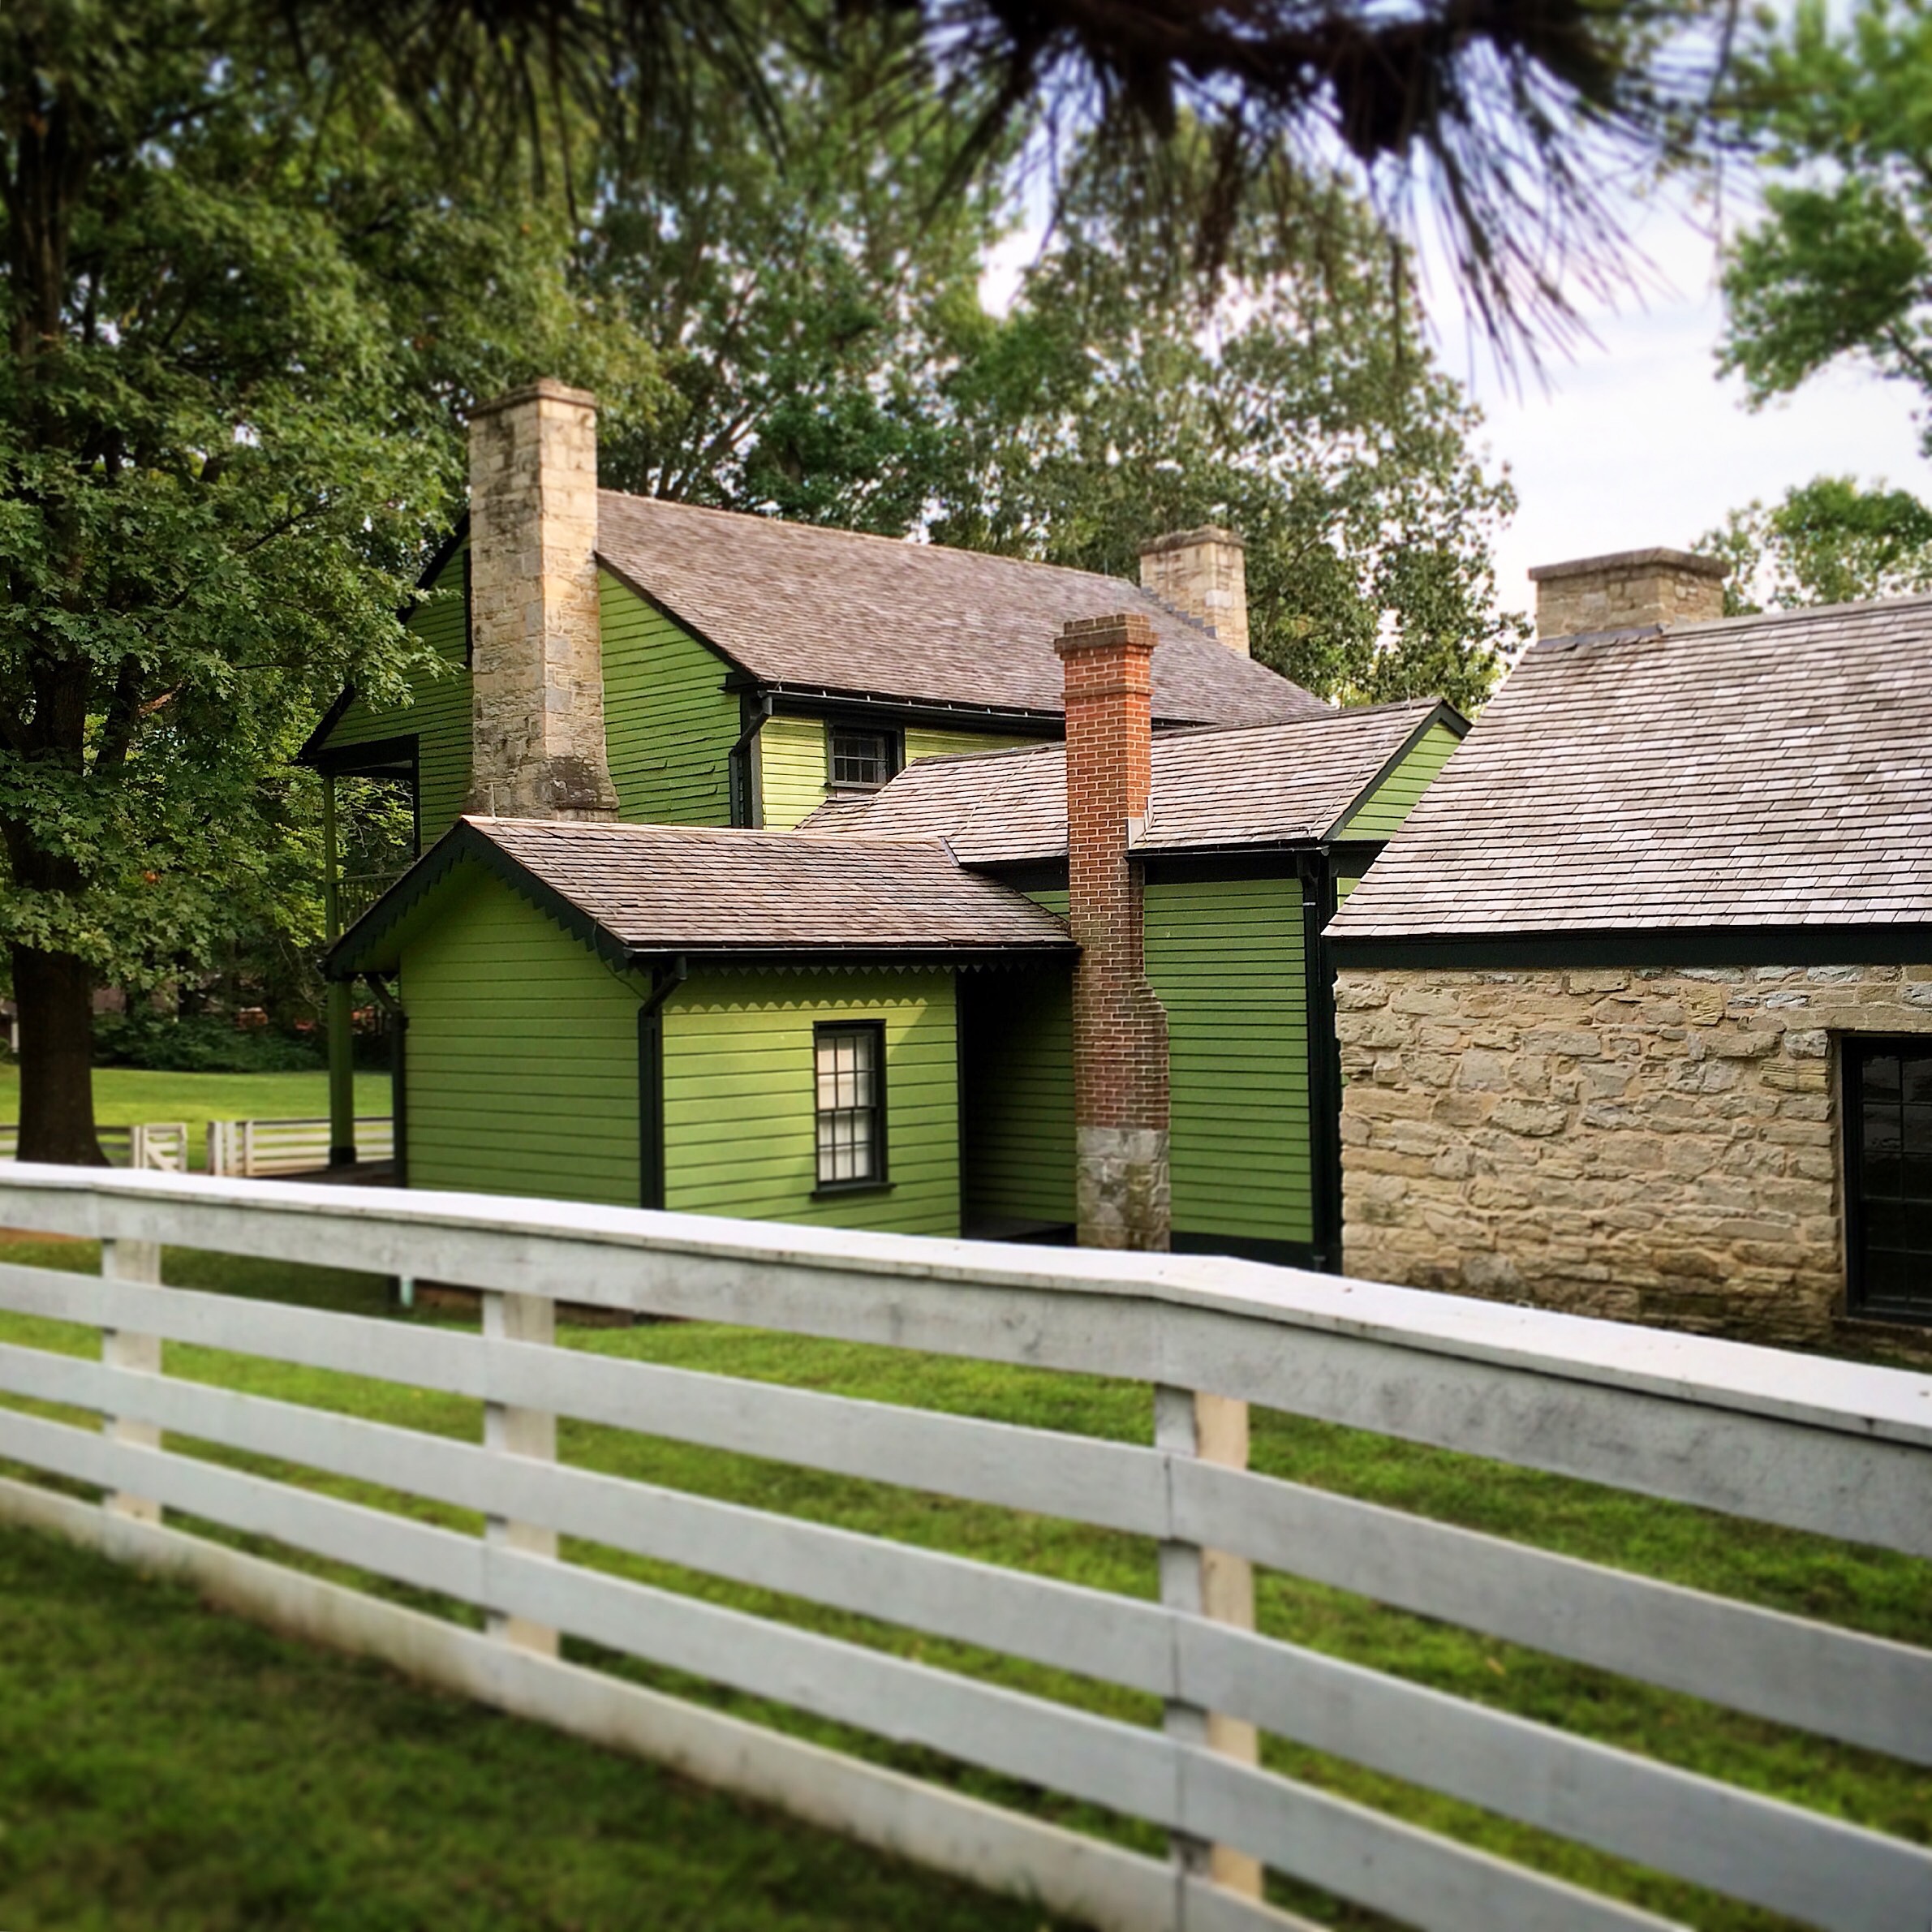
{"x": 1840, "y": 267}
{"x": 1301, "y": 408}
{"x": 1829, "y": 541}
{"x": 243, "y": 305}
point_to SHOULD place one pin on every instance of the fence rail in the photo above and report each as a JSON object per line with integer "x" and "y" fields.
{"x": 1836, "y": 1449}
{"x": 159, "y": 1144}
{"x": 251, "y": 1148}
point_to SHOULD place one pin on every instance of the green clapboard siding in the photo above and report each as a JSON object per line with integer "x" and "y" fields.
{"x": 522, "y": 1053}
{"x": 438, "y": 715}
{"x": 669, "y": 724}
{"x": 739, "y": 1127}
{"x": 1225, "y": 958}
{"x": 794, "y": 762}
{"x": 1381, "y": 813}
{"x": 791, "y": 770}
{"x": 957, "y": 744}
{"x": 1018, "y": 1097}
{"x": 1019, "y": 1092}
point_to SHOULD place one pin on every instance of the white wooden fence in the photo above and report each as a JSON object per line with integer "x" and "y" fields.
{"x": 1816, "y": 1445}
{"x": 162, "y": 1145}
{"x": 257, "y": 1147}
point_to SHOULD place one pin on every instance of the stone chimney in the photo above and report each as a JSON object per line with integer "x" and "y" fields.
{"x": 1204, "y": 573}
{"x": 1120, "y": 1028}
{"x": 1629, "y": 589}
{"x": 537, "y": 653}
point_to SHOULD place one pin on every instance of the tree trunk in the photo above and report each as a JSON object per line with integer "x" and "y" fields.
{"x": 55, "y": 994}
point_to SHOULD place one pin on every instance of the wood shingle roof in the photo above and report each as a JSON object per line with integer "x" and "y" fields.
{"x": 1761, "y": 771}
{"x": 816, "y": 609}
{"x": 1287, "y": 783}
{"x": 642, "y": 890}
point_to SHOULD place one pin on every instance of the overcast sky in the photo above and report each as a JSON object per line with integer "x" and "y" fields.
{"x": 1637, "y": 442}
{"x": 1633, "y": 440}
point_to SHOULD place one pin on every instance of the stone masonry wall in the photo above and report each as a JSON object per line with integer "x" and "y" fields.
{"x": 1654, "y": 1147}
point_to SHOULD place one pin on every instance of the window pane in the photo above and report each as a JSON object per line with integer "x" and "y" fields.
{"x": 1890, "y": 1163}
{"x": 848, "y": 1136}
{"x": 858, "y": 758}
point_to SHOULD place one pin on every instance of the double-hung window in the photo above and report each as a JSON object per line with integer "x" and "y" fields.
{"x": 860, "y": 757}
{"x": 850, "y": 1057}
{"x": 1887, "y": 1087}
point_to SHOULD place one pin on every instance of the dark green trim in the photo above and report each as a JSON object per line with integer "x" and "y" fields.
{"x": 1027, "y": 875}
{"x": 398, "y": 1020}
{"x": 1324, "y": 1070}
{"x": 354, "y": 952}
{"x": 744, "y": 771}
{"x": 1853, "y": 1048}
{"x": 1662, "y": 947}
{"x": 736, "y": 677}
{"x": 650, "y": 1084}
{"x": 1243, "y": 1247}
{"x": 880, "y": 1180}
{"x": 377, "y": 757}
{"x": 359, "y": 949}
{"x": 312, "y": 745}
{"x": 822, "y": 701}
{"x": 1445, "y": 715}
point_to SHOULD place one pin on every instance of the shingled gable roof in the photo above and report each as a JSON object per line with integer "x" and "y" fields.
{"x": 816, "y": 609}
{"x": 636, "y": 891}
{"x": 1761, "y": 771}
{"x": 1274, "y": 785}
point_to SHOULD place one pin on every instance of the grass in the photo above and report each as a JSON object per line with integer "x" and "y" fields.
{"x": 161, "y": 1766}
{"x": 126, "y": 1096}
{"x": 1811, "y": 1576}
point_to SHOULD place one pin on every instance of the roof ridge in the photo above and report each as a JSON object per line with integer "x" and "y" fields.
{"x": 1803, "y": 613}
{"x": 898, "y": 543}
{"x": 789, "y": 834}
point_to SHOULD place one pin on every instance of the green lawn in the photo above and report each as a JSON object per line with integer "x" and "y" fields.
{"x": 1861, "y": 1588}
{"x": 124, "y": 1095}
{"x": 163, "y": 1767}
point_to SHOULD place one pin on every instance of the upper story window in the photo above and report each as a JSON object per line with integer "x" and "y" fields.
{"x": 850, "y": 1058}
{"x": 860, "y": 757}
{"x": 1888, "y": 1088}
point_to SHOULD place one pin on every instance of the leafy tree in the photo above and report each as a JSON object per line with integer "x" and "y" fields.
{"x": 242, "y": 305}
{"x": 1840, "y": 267}
{"x": 1828, "y": 542}
{"x": 1301, "y": 408}
{"x": 800, "y": 309}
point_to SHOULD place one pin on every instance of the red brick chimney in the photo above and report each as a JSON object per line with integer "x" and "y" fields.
{"x": 1120, "y": 1029}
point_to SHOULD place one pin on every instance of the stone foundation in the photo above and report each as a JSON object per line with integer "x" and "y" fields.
{"x": 1122, "y": 1188}
{"x": 1653, "y": 1146}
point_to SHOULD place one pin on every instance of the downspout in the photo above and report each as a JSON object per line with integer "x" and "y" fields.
{"x": 398, "y": 1021}
{"x": 1324, "y": 1062}
{"x": 748, "y": 805}
{"x": 665, "y": 980}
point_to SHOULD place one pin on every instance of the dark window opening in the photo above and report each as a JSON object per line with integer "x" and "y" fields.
{"x": 851, "y": 1070}
{"x": 1888, "y": 1177}
{"x": 860, "y": 757}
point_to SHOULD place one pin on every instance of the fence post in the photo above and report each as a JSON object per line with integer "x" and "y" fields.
{"x": 131, "y": 1261}
{"x": 510, "y": 1431}
{"x": 1214, "y": 1584}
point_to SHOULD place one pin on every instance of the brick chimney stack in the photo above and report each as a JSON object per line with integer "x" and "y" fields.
{"x": 1629, "y": 589}
{"x": 1204, "y": 573}
{"x": 1120, "y": 1028}
{"x": 536, "y": 651}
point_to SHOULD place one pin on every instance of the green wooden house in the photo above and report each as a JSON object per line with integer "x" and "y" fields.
{"x": 742, "y": 867}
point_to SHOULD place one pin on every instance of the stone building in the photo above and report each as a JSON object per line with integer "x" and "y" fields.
{"x": 1636, "y": 1013}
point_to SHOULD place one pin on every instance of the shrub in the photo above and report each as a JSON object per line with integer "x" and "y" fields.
{"x": 201, "y": 1043}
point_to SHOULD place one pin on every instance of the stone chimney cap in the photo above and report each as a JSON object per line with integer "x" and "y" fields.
{"x": 546, "y": 388}
{"x": 1687, "y": 561}
{"x": 1185, "y": 539}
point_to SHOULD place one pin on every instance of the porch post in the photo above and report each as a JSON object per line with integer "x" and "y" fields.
{"x": 342, "y": 1061}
